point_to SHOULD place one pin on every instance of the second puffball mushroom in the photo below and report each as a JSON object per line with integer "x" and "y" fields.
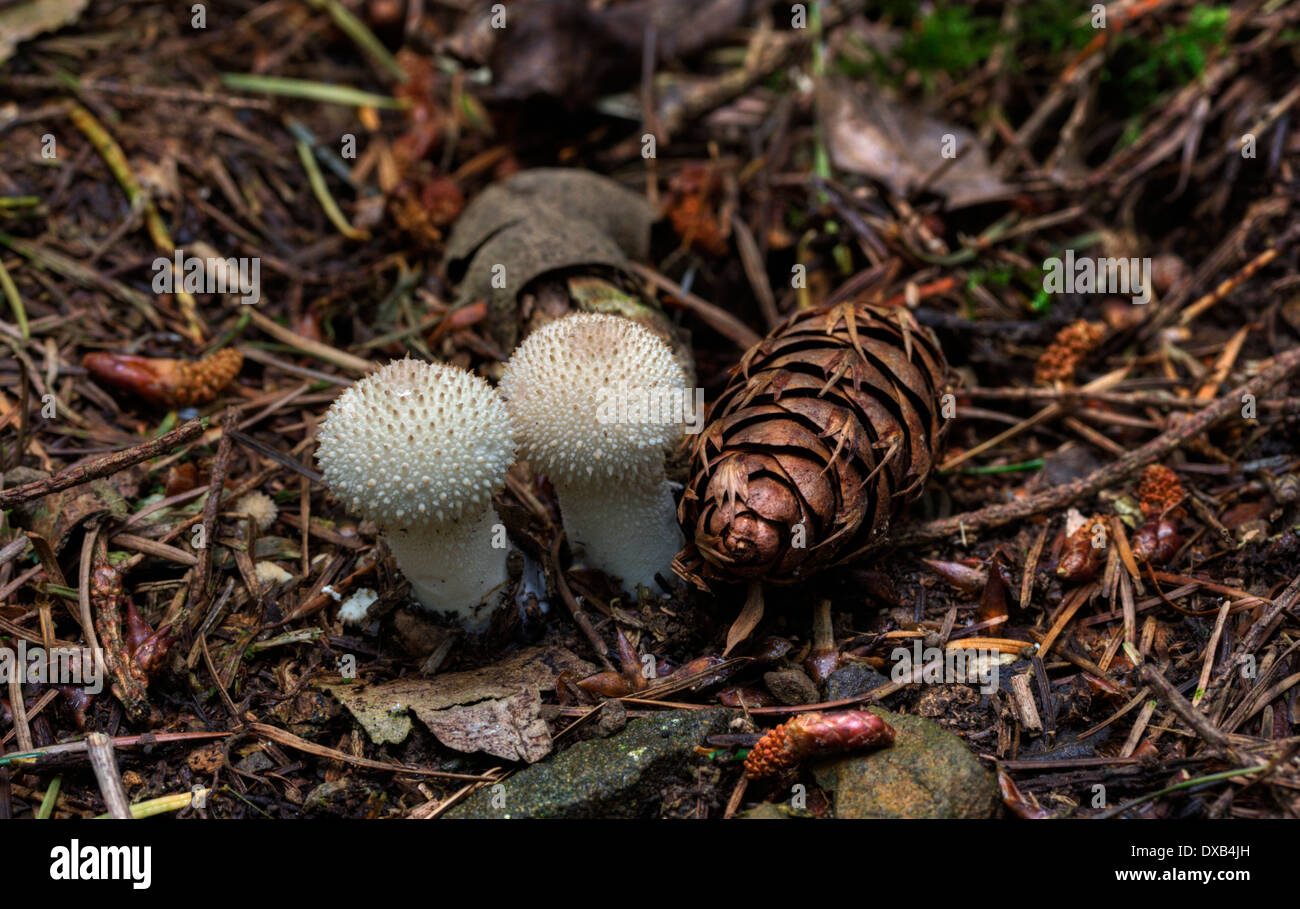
{"x": 596, "y": 401}
{"x": 420, "y": 448}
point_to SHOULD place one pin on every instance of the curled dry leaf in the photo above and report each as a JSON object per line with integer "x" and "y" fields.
{"x": 967, "y": 578}
{"x": 1015, "y": 800}
{"x": 744, "y": 697}
{"x": 27, "y": 20}
{"x": 131, "y": 655}
{"x": 993, "y": 599}
{"x": 167, "y": 382}
{"x": 868, "y": 131}
{"x": 495, "y": 709}
{"x": 813, "y": 735}
{"x": 692, "y": 208}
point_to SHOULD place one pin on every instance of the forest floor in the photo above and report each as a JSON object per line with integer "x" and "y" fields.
{"x": 939, "y": 159}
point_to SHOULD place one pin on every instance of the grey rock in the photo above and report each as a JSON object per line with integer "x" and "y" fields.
{"x": 791, "y": 686}
{"x": 621, "y": 776}
{"x": 851, "y": 680}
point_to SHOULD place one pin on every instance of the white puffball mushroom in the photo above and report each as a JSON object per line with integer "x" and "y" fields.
{"x": 355, "y": 609}
{"x": 269, "y": 574}
{"x": 260, "y": 507}
{"x": 420, "y": 448}
{"x": 597, "y": 400}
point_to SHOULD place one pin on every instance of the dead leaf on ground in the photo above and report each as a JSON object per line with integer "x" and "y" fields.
{"x": 572, "y": 49}
{"x": 495, "y": 709}
{"x": 56, "y": 516}
{"x": 869, "y": 132}
{"x": 27, "y": 20}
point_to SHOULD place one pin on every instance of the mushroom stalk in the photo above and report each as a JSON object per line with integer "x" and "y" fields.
{"x": 626, "y": 526}
{"x": 453, "y": 567}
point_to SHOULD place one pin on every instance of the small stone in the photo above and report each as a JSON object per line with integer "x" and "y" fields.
{"x": 771, "y": 811}
{"x": 851, "y": 680}
{"x": 927, "y": 773}
{"x": 791, "y": 686}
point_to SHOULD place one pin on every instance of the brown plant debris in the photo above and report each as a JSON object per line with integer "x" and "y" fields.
{"x": 1067, "y": 352}
{"x": 1159, "y": 490}
{"x": 164, "y": 381}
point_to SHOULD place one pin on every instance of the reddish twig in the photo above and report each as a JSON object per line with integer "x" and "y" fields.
{"x": 199, "y": 579}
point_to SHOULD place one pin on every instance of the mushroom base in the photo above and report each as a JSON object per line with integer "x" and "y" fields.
{"x": 627, "y": 527}
{"x": 454, "y": 567}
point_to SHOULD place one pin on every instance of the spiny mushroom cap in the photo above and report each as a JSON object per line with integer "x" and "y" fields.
{"x": 416, "y": 445}
{"x": 260, "y": 507}
{"x": 566, "y": 387}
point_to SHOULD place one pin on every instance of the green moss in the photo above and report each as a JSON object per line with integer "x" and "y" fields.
{"x": 1143, "y": 70}
{"x": 955, "y": 39}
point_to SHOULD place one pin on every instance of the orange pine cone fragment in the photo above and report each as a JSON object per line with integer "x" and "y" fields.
{"x": 167, "y": 382}
{"x": 1159, "y": 490}
{"x": 827, "y": 427}
{"x": 814, "y": 735}
{"x": 1068, "y": 350}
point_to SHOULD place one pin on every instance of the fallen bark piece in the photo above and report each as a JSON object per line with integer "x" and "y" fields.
{"x": 623, "y": 776}
{"x": 511, "y": 727}
{"x": 495, "y": 709}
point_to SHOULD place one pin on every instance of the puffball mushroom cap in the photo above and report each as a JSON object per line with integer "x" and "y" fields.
{"x": 260, "y": 507}
{"x": 562, "y": 387}
{"x": 417, "y": 444}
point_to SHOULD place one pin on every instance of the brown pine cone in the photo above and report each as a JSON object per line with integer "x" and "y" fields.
{"x": 827, "y": 427}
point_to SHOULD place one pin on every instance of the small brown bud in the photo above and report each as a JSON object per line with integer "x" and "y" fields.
{"x": 1071, "y": 346}
{"x": 180, "y": 478}
{"x": 166, "y": 382}
{"x": 1156, "y": 541}
{"x": 1080, "y": 559}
